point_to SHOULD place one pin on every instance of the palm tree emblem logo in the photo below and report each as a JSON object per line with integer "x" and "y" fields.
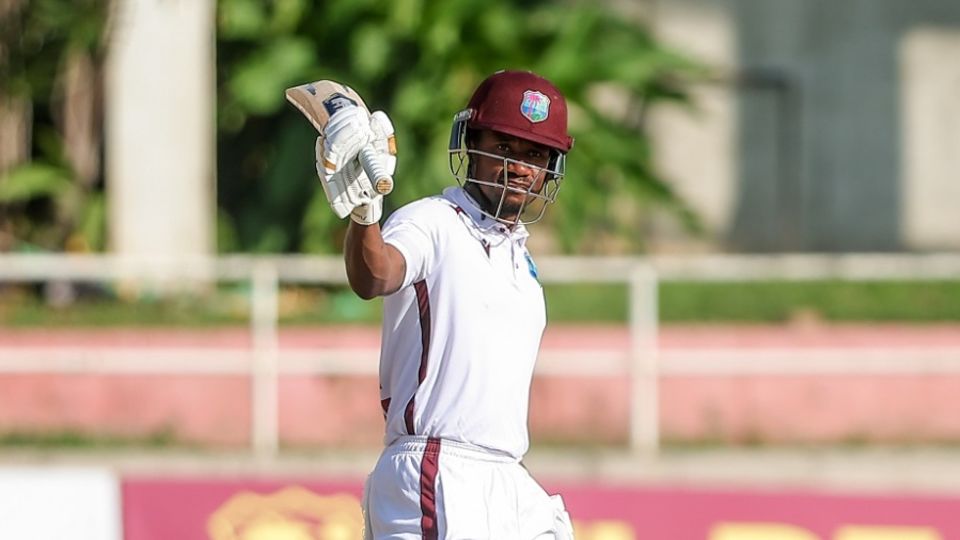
{"x": 535, "y": 106}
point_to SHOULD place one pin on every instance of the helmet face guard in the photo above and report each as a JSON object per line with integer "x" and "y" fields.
{"x": 519, "y": 104}
{"x": 462, "y": 161}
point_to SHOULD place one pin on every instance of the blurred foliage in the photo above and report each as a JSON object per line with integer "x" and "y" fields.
{"x": 45, "y": 203}
{"x": 419, "y": 61}
{"x": 37, "y": 35}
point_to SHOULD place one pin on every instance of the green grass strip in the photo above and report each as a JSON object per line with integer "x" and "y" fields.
{"x": 680, "y": 302}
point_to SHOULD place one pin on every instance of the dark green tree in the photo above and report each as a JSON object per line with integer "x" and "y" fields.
{"x": 51, "y": 58}
{"x": 419, "y": 60}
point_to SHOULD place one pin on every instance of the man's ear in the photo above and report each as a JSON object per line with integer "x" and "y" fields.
{"x": 470, "y": 142}
{"x": 471, "y": 137}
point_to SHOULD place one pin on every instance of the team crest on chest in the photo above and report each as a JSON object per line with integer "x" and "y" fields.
{"x": 535, "y": 106}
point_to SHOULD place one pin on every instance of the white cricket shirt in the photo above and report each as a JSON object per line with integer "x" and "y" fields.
{"x": 460, "y": 337}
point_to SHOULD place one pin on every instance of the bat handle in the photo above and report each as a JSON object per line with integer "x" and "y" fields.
{"x": 370, "y": 161}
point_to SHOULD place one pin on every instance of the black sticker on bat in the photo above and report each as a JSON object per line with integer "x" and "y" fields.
{"x": 336, "y": 102}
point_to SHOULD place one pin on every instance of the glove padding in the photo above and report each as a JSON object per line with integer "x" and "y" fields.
{"x": 346, "y": 185}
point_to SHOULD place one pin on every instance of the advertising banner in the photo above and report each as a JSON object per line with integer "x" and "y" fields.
{"x": 258, "y": 509}
{"x": 629, "y": 513}
{"x": 238, "y": 509}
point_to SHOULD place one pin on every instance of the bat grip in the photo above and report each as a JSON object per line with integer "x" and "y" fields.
{"x": 370, "y": 161}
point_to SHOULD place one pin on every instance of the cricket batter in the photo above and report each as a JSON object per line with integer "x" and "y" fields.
{"x": 463, "y": 315}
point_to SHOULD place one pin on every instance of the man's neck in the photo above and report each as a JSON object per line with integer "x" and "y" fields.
{"x": 484, "y": 203}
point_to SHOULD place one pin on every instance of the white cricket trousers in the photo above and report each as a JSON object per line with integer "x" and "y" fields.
{"x": 438, "y": 489}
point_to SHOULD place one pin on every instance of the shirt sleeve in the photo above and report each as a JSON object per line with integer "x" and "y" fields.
{"x": 414, "y": 232}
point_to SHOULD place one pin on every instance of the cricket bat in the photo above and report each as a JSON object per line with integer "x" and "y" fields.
{"x": 319, "y": 100}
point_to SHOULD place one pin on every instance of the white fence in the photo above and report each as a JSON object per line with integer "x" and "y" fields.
{"x": 264, "y": 362}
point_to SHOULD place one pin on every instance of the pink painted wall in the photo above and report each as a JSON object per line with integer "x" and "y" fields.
{"x": 345, "y": 410}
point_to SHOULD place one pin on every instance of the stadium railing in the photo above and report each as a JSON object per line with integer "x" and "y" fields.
{"x": 264, "y": 362}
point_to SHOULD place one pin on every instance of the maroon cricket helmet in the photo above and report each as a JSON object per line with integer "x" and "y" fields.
{"x": 522, "y": 104}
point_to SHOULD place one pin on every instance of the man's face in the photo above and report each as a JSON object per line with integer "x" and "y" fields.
{"x": 525, "y": 172}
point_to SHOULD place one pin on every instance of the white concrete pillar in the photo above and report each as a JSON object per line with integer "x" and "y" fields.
{"x": 160, "y": 120}
{"x": 930, "y": 117}
{"x": 696, "y": 150}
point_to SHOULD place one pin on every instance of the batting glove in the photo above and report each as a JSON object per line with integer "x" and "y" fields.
{"x": 384, "y": 144}
{"x": 346, "y": 185}
{"x": 342, "y": 178}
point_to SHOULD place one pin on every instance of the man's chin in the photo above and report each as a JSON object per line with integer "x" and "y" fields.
{"x": 510, "y": 208}
{"x": 511, "y": 204}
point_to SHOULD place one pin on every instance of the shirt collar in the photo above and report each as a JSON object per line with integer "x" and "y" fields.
{"x": 487, "y": 224}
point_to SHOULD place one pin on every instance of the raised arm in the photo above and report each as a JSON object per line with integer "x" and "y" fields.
{"x": 374, "y": 268}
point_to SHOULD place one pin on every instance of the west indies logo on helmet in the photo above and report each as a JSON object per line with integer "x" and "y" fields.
{"x": 523, "y": 105}
{"x": 535, "y": 106}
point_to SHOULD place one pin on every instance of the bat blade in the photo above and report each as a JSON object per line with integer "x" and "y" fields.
{"x": 319, "y": 100}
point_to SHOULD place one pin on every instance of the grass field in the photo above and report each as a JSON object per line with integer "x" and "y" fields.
{"x": 758, "y": 302}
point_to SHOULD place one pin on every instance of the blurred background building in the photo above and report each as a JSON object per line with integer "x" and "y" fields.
{"x": 829, "y": 126}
